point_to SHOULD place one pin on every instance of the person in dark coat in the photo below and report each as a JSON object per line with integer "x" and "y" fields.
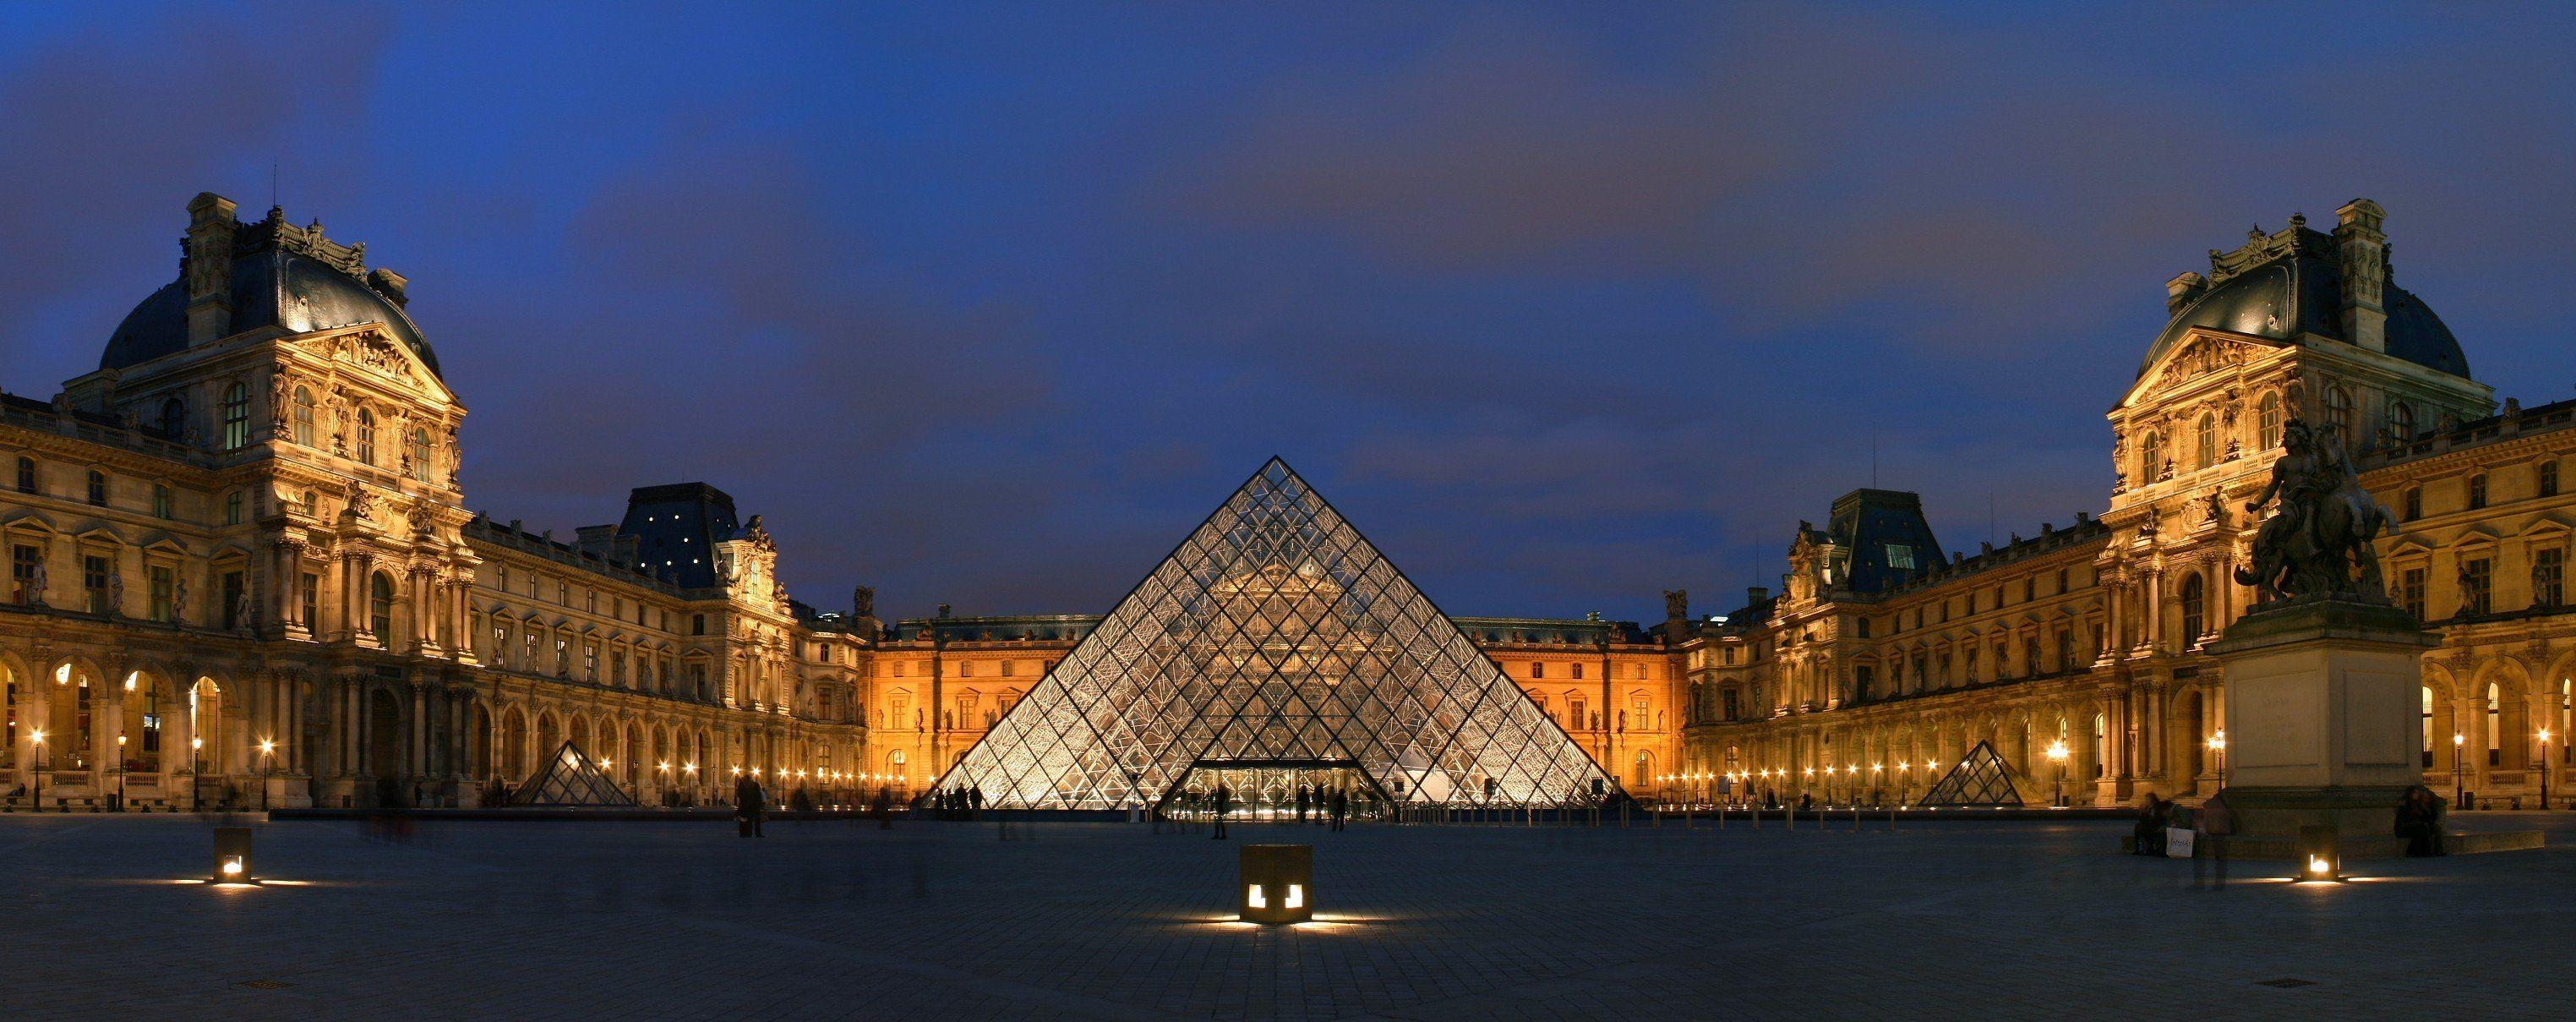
{"x": 2419, "y": 821}
{"x": 1301, "y": 802}
{"x": 1341, "y": 809}
{"x": 748, "y": 806}
{"x": 1224, "y": 801}
{"x": 975, "y": 801}
{"x": 2147, "y": 835}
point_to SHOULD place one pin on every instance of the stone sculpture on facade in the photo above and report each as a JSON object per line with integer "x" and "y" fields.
{"x": 2319, "y": 542}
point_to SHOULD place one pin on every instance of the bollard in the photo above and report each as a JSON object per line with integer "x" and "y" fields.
{"x": 1277, "y": 882}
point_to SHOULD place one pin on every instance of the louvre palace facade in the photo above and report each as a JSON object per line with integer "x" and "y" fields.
{"x": 243, "y": 570}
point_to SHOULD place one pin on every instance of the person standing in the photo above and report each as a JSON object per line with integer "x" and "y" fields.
{"x": 1301, "y": 801}
{"x": 747, "y": 806}
{"x": 975, "y": 802}
{"x": 1224, "y": 801}
{"x": 1341, "y": 810}
{"x": 2211, "y": 827}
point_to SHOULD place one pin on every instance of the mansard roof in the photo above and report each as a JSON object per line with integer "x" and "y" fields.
{"x": 2289, "y": 284}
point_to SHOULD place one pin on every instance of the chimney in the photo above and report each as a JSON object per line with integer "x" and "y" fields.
{"x": 2362, "y": 249}
{"x": 207, "y": 267}
{"x": 2182, "y": 290}
{"x": 394, "y": 286}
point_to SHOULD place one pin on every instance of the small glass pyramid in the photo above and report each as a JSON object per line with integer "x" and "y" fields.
{"x": 1980, "y": 780}
{"x": 1276, "y": 647}
{"x": 571, "y": 779}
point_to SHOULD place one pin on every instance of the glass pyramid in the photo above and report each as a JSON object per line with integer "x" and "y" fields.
{"x": 1980, "y": 780}
{"x": 1275, "y": 638}
{"x": 571, "y": 779}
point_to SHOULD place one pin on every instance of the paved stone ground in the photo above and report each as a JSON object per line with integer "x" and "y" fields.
{"x": 824, "y": 920}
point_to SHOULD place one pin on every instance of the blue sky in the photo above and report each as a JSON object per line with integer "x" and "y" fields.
{"x": 1563, "y": 305}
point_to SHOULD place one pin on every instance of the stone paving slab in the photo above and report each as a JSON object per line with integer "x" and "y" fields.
{"x": 481, "y": 919}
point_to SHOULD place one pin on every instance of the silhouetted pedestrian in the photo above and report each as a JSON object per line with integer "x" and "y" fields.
{"x": 1224, "y": 801}
{"x": 748, "y": 807}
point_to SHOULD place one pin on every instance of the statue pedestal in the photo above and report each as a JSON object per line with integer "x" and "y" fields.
{"x": 2324, "y": 711}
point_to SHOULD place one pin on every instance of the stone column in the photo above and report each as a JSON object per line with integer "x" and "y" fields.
{"x": 416, "y": 758}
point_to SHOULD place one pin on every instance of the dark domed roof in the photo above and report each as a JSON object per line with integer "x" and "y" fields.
{"x": 272, "y": 285}
{"x": 2301, "y": 292}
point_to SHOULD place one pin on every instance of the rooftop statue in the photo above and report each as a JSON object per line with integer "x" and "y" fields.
{"x": 2318, "y": 544}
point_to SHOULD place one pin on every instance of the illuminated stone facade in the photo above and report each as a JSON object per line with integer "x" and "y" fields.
{"x": 1863, "y": 681}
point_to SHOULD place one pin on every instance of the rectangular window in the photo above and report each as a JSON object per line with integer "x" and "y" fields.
{"x": 23, "y": 560}
{"x": 1538, "y": 670}
{"x": 309, "y": 597}
{"x": 697, "y": 624}
{"x": 2475, "y": 588}
{"x": 590, "y": 661}
{"x": 2548, "y": 573}
{"x": 2410, "y": 591}
{"x": 94, "y": 582}
{"x": 231, "y": 593}
{"x": 162, "y": 581}
{"x": 1900, "y": 557}
{"x": 1727, "y": 698}
{"x": 1578, "y": 672}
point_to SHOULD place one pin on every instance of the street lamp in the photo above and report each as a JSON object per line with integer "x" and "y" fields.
{"x": 196, "y": 801}
{"x": 2544, "y": 768}
{"x": 267, "y": 761}
{"x": 2458, "y": 783}
{"x": 120, "y": 773}
{"x": 36, "y": 795}
{"x": 2057, "y": 755}
{"x": 2218, "y": 755}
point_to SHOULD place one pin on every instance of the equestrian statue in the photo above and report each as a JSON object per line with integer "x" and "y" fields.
{"x": 2318, "y": 544}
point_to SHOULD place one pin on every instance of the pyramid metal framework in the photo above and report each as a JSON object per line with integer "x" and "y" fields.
{"x": 571, "y": 779}
{"x": 1980, "y": 780}
{"x": 1276, "y": 635}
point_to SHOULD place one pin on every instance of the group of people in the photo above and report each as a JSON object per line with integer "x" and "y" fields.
{"x": 1187, "y": 809}
{"x": 959, "y": 803}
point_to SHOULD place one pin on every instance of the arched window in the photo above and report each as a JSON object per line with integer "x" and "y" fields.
{"x": 2205, "y": 450}
{"x": 98, "y": 488}
{"x": 2339, "y": 414}
{"x": 2495, "y": 727}
{"x": 380, "y": 606}
{"x": 2151, "y": 453}
{"x": 2195, "y": 608}
{"x": 2267, "y": 418}
{"x": 174, "y": 418}
{"x": 2414, "y": 502}
{"x": 236, "y": 415}
{"x": 420, "y": 453}
{"x": 2100, "y": 730}
{"x": 303, "y": 416}
{"x": 367, "y": 435}
{"x": 2401, "y": 421}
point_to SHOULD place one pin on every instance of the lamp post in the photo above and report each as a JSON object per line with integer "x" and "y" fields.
{"x": 120, "y": 773}
{"x": 2458, "y": 783}
{"x": 2057, "y": 755}
{"x": 36, "y": 795}
{"x": 267, "y": 761}
{"x": 196, "y": 801}
{"x": 691, "y": 769}
{"x": 2218, "y": 755}
{"x": 2544, "y": 768}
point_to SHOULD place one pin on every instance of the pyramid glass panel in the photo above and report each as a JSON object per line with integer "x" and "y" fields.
{"x": 1980, "y": 780}
{"x": 571, "y": 779}
{"x": 1275, "y": 639}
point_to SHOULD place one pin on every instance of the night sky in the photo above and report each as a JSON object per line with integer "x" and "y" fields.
{"x": 1561, "y": 305}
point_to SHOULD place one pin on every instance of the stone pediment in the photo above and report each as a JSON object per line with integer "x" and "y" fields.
{"x": 367, "y": 347}
{"x": 2207, "y": 352}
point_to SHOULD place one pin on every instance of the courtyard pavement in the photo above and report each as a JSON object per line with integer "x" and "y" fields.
{"x": 942, "y": 920}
